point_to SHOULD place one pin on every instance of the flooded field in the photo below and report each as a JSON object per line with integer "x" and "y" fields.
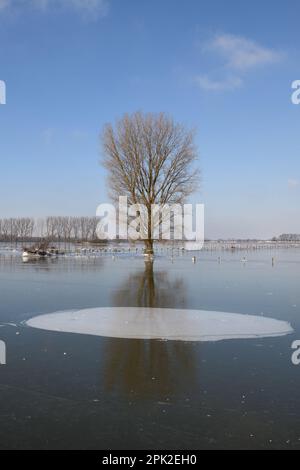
{"x": 205, "y": 376}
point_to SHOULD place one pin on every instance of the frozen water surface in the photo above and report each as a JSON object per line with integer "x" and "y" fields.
{"x": 161, "y": 323}
{"x": 60, "y": 390}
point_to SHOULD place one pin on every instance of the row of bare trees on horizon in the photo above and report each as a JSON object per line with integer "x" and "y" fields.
{"x": 53, "y": 229}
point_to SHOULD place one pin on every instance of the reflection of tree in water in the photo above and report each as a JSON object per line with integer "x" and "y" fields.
{"x": 149, "y": 368}
{"x": 150, "y": 289}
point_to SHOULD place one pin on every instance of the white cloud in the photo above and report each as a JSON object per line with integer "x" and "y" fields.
{"x": 240, "y": 53}
{"x": 236, "y": 55}
{"x": 89, "y": 9}
{"x": 209, "y": 84}
{"x": 293, "y": 183}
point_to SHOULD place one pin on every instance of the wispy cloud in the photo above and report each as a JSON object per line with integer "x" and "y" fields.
{"x": 48, "y": 135}
{"x": 88, "y": 9}
{"x": 293, "y": 183}
{"x": 235, "y": 55}
{"x": 4, "y": 4}
{"x": 78, "y": 134}
{"x": 209, "y": 84}
{"x": 240, "y": 53}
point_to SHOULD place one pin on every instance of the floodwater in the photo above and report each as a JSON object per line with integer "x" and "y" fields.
{"x": 63, "y": 390}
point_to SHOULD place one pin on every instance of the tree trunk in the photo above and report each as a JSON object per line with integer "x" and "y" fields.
{"x": 149, "y": 247}
{"x": 149, "y": 242}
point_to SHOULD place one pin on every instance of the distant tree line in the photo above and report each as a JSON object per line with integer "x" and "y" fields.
{"x": 52, "y": 229}
{"x": 14, "y": 229}
{"x": 288, "y": 237}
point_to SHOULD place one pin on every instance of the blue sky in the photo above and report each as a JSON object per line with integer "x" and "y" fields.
{"x": 225, "y": 68}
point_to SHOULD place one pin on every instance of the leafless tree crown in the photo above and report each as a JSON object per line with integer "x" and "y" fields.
{"x": 150, "y": 159}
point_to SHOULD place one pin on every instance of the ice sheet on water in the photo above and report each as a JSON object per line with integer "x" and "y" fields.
{"x": 161, "y": 323}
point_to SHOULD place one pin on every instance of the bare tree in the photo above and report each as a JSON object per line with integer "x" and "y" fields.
{"x": 151, "y": 160}
{"x": 16, "y": 229}
{"x": 52, "y": 229}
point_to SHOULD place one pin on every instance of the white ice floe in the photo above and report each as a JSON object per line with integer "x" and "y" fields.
{"x": 161, "y": 323}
